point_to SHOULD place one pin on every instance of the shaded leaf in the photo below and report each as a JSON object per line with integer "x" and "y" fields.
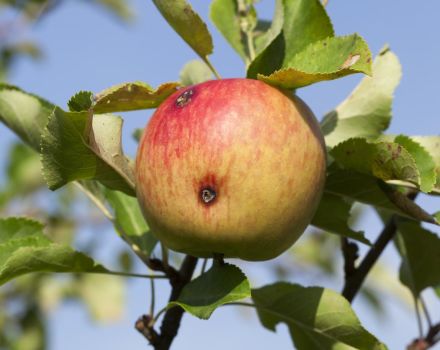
{"x": 332, "y": 216}
{"x": 425, "y": 163}
{"x": 76, "y": 147}
{"x": 220, "y": 285}
{"x": 305, "y": 22}
{"x": 327, "y": 59}
{"x": 369, "y": 190}
{"x": 195, "y": 72}
{"x": 269, "y": 60}
{"x": 367, "y": 111}
{"x": 132, "y": 96}
{"x": 24, "y": 113}
{"x": 384, "y": 160}
{"x": 25, "y": 249}
{"x": 317, "y": 318}
{"x": 263, "y": 40}
{"x": 420, "y": 251}
{"x": 187, "y": 23}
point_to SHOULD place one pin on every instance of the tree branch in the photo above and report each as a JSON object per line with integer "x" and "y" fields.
{"x": 354, "y": 281}
{"x": 173, "y": 316}
{"x": 431, "y": 338}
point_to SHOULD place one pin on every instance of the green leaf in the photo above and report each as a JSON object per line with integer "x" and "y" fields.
{"x": 332, "y": 216}
{"x": 188, "y": 24}
{"x": 224, "y": 15}
{"x": 384, "y": 160}
{"x": 120, "y": 8}
{"x": 76, "y": 146}
{"x": 128, "y": 218}
{"x": 326, "y": 59}
{"x": 25, "y": 249}
{"x": 305, "y": 22}
{"x": 81, "y": 101}
{"x": 195, "y": 72}
{"x": 264, "y": 39}
{"x": 125, "y": 214}
{"x": 317, "y": 318}
{"x": 222, "y": 284}
{"x": 106, "y": 303}
{"x": 420, "y": 251}
{"x": 132, "y": 96}
{"x": 24, "y": 113}
{"x": 23, "y": 173}
{"x": 425, "y": 163}
{"x": 432, "y": 145}
{"x": 269, "y": 60}
{"x": 296, "y": 25}
{"x": 367, "y": 111}
{"x": 370, "y": 190}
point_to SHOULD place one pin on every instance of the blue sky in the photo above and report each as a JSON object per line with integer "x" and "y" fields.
{"x": 88, "y": 50}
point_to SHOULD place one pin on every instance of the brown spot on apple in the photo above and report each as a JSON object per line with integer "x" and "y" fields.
{"x": 184, "y": 98}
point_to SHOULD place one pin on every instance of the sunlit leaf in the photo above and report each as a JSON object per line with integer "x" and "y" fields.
{"x": 327, "y": 59}
{"x": 24, "y": 113}
{"x": 425, "y": 163}
{"x": 432, "y": 145}
{"x": 384, "y": 160}
{"x": 187, "y": 23}
{"x": 367, "y": 111}
{"x": 24, "y": 249}
{"x": 76, "y": 147}
{"x": 132, "y": 96}
{"x": 195, "y": 72}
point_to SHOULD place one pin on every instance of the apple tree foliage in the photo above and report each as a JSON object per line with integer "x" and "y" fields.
{"x": 298, "y": 47}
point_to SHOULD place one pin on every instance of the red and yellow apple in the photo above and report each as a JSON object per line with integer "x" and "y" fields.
{"x": 233, "y": 167}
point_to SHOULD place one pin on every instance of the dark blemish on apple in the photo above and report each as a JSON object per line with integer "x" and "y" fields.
{"x": 184, "y": 98}
{"x": 208, "y": 195}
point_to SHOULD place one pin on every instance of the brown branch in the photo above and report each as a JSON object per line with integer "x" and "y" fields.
{"x": 431, "y": 338}
{"x": 173, "y": 316}
{"x": 350, "y": 252}
{"x": 354, "y": 281}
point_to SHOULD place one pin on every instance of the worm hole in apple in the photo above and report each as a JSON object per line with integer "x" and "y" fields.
{"x": 184, "y": 98}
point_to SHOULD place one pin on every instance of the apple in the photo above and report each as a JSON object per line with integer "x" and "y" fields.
{"x": 233, "y": 167}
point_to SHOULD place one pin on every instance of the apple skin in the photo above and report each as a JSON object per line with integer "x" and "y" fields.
{"x": 233, "y": 167}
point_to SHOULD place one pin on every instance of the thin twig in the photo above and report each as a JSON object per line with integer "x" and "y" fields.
{"x": 418, "y": 317}
{"x": 128, "y": 274}
{"x": 425, "y": 311}
{"x": 153, "y": 297}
